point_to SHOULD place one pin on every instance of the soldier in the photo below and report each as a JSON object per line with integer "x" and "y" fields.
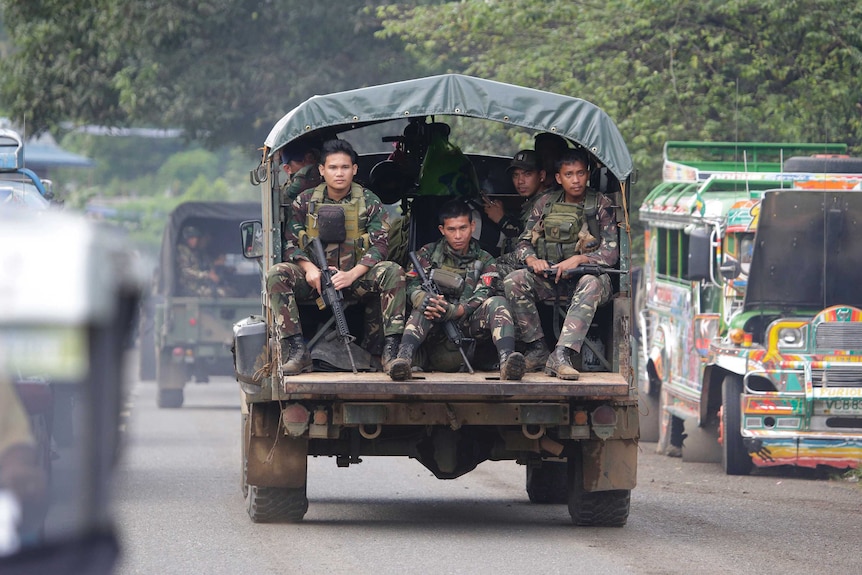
{"x": 528, "y": 177}
{"x": 353, "y": 226}
{"x": 299, "y": 161}
{"x": 196, "y": 273}
{"x": 555, "y": 236}
{"x": 459, "y": 256}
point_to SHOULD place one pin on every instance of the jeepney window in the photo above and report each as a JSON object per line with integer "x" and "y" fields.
{"x": 746, "y": 250}
{"x": 672, "y": 253}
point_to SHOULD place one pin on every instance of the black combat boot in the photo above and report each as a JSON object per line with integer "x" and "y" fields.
{"x": 295, "y": 357}
{"x": 560, "y": 364}
{"x": 390, "y": 350}
{"x": 536, "y": 354}
{"x": 400, "y": 367}
{"x": 512, "y": 365}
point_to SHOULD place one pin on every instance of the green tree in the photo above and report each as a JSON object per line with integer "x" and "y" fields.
{"x": 762, "y": 70}
{"x": 223, "y": 70}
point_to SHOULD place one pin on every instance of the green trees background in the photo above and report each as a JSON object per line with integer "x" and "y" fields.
{"x": 223, "y": 71}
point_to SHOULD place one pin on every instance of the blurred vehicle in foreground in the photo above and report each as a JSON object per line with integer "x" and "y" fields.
{"x": 54, "y": 495}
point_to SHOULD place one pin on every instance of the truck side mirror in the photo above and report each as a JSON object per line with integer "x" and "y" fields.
{"x": 730, "y": 269}
{"x": 699, "y": 254}
{"x": 252, "y": 239}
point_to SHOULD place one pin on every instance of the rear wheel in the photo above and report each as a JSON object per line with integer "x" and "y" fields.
{"x": 596, "y": 508}
{"x": 171, "y": 378}
{"x": 276, "y": 504}
{"x": 547, "y": 483}
{"x": 735, "y": 457}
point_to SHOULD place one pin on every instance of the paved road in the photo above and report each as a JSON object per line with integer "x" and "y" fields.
{"x": 180, "y": 510}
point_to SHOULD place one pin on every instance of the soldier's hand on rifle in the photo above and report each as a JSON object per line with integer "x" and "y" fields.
{"x": 438, "y": 309}
{"x": 312, "y": 274}
{"x": 536, "y": 265}
{"x": 344, "y": 279}
{"x": 569, "y": 264}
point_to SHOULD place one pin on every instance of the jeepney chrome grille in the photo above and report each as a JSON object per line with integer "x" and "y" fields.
{"x": 838, "y": 376}
{"x": 838, "y": 335}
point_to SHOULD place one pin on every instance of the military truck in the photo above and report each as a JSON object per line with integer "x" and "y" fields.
{"x": 577, "y": 440}
{"x": 752, "y": 313}
{"x": 187, "y": 334}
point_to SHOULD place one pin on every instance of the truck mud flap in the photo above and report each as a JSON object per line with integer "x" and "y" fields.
{"x": 609, "y": 465}
{"x": 274, "y": 460}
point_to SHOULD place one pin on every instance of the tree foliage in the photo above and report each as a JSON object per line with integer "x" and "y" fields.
{"x": 224, "y": 70}
{"x": 719, "y": 70}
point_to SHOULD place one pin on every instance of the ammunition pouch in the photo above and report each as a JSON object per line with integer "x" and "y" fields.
{"x": 331, "y": 228}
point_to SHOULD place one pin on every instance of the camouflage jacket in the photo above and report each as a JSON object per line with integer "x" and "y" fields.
{"x": 306, "y": 178}
{"x": 439, "y": 255}
{"x": 513, "y": 227}
{"x": 374, "y": 221}
{"x": 193, "y": 269}
{"x": 608, "y": 252}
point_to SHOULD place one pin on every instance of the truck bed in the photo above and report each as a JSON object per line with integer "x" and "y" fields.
{"x": 484, "y": 385}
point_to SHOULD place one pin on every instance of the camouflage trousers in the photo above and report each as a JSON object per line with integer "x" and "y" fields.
{"x": 492, "y": 320}
{"x": 524, "y": 289}
{"x": 383, "y": 284}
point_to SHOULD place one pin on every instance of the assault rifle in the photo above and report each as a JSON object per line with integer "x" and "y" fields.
{"x": 453, "y": 332}
{"x": 333, "y": 299}
{"x": 581, "y": 270}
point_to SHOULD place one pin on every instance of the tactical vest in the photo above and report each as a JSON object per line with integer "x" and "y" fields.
{"x": 340, "y": 226}
{"x": 562, "y": 223}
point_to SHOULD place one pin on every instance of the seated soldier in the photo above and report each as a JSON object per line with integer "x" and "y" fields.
{"x": 554, "y": 240}
{"x": 299, "y": 161}
{"x": 467, "y": 301}
{"x": 196, "y": 272}
{"x": 353, "y": 226}
{"x": 528, "y": 177}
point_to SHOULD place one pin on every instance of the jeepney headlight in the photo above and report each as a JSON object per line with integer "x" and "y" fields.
{"x": 790, "y": 337}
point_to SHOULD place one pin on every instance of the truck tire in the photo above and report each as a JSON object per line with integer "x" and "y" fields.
{"x": 823, "y": 165}
{"x": 734, "y": 455}
{"x": 244, "y": 447}
{"x": 170, "y": 398}
{"x": 276, "y": 504}
{"x": 596, "y": 508}
{"x": 548, "y": 482}
{"x": 171, "y": 378}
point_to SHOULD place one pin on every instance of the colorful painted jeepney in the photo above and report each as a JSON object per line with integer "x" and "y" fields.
{"x": 752, "y": 317}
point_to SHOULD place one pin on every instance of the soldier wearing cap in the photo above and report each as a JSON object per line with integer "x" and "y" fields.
{"x": 528, "y": 177}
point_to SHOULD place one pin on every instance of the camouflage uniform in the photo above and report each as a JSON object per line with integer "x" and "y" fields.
{"x": 523, "y": 287}
{"x": 305, "y": 178}
{"x": 484, "y": 317}
{"x": 286, "y": 281}
{"x": 513, "y": 228}
{"x": 194, "y": 273}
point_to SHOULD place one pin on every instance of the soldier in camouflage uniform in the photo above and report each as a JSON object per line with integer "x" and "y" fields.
{"x": 359, "y": 256}
{"x": 299, "y": 161}
{"x": 528, "y": 177}
{"x": 553, "y": 239}
{"x": 477, "y": 314}
{"x": 196, "y": 274}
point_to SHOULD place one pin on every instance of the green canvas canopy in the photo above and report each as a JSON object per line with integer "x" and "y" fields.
{"x": 459, "y": 95}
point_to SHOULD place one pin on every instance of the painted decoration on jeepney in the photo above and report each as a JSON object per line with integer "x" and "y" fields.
{"x": 844, "y": 452}
{"x": 837, "y": 313}
{"x": 828, "y": 182}
{"x": 674, "y": 172}
{"x": 706, "y": 330}
{"x": 743, "y": 216}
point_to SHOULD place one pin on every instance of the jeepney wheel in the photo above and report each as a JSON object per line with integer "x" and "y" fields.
{"x": 595, "y": 508}
{"x": 734, "y": 455}
{"x": 171, "y": 378}
{"x": 547, "y": 483}
{"x": 276, "y": 504}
